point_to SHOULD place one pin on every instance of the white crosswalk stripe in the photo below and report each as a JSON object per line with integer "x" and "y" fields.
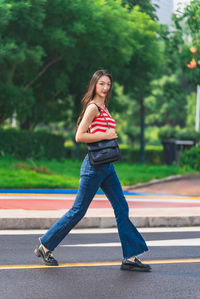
{"x": 154, "y": 243}
{"x": 151, "y": 243}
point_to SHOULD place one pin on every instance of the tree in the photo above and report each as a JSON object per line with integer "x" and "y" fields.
{"x": 188, "y": 24}
{"x": 126, "y": 112}
{"x": 167, "y": 104}
{"x": 145, "y": 5}
{"x": 142, "y": 53}
{"x": 144, "y": 65}
{"x": 50, "y": 48}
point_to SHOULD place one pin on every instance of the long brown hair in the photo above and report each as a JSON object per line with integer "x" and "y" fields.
{"x": 88, "y": 97}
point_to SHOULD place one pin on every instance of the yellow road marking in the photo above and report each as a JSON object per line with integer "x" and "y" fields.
{"x": 98, "y": 264}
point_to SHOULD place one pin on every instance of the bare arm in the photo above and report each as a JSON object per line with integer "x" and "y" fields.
{"x": 83, "y": 136}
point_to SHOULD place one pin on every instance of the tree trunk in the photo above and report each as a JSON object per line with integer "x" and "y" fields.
{"x": 2, "y": 120}
{"x": 27, "y": 124}
{"x": 142, "y": 130}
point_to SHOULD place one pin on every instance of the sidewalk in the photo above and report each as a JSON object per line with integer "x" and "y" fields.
{"x": 155, "y": 205}
{"x": 187, "y": 185}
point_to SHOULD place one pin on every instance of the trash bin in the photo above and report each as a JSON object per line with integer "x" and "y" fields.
{"x": 173, "y": 147}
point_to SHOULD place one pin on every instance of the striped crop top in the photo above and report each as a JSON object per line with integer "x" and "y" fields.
{"x": 99, "y": 124}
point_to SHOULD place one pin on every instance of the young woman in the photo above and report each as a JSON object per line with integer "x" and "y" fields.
{"x": 92, "y": 127}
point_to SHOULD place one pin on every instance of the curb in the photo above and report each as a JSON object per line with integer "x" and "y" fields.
{"x": 164, "y": 180}
{"x": 100, "y": 222}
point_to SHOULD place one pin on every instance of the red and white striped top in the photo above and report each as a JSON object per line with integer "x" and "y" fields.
{"x": 99, "y": 124}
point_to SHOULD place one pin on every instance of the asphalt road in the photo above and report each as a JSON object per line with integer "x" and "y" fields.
{"x": 83, "y": 273}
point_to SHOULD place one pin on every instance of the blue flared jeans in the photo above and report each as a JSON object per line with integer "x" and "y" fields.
{"x": 93, "y": 177}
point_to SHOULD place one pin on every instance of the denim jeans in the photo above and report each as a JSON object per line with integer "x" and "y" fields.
{"x": 92, "y": 178}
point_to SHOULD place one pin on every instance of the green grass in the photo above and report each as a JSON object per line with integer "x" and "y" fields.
{"x": 66, "y": 173}
{"x": 131, "y": 174}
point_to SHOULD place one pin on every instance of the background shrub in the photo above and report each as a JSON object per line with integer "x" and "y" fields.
{"x": 168, "y": 132}
{"x": 188, "y": 134}
{"x": 191, "y": 158}
{"x": 26, "y": 144}
{"x": 154, "y": 155}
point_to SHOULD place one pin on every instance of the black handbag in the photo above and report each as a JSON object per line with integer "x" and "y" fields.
{"x": 103, "y": 151}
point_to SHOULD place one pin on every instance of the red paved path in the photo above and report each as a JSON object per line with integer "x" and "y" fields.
{"x": 56, "y": 204}
{"x": 188, "y": 187}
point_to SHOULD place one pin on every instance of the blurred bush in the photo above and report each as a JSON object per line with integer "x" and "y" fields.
{"x": 191, "y": 158}
{"x": 27, "y": 144}
{"x": 188, "y": 134}
{"x": 154, "y": 155}
{"x": 168, "y": 132}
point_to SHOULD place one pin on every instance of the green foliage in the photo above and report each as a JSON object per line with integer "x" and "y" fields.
{"x": 166, "y": 105}
{"x": 188, "y": 25}
{"x": 152, "y": 156}
{"x": 191, "y": 158}
{"x": 191, "y": 110}
{"x": 133, "y": 134}
{"x": 146, "y": 6}
{"x": 126, "y": 112}
{"x": 25, "y": 144}
{"x": 151, "y": 136}
{"x": 192, "y": 17}
{"x": 168, "y": 132}
{"x": 188, "y": 134}
{"x": 172, "y": 44}
{"x": 50, "y": 48}
{"x": 145, "y": 61}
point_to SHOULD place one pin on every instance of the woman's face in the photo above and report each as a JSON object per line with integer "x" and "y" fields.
{"x": 103, "y": 86}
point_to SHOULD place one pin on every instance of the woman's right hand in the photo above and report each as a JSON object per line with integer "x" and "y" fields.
{"x": 110, "y": 134}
